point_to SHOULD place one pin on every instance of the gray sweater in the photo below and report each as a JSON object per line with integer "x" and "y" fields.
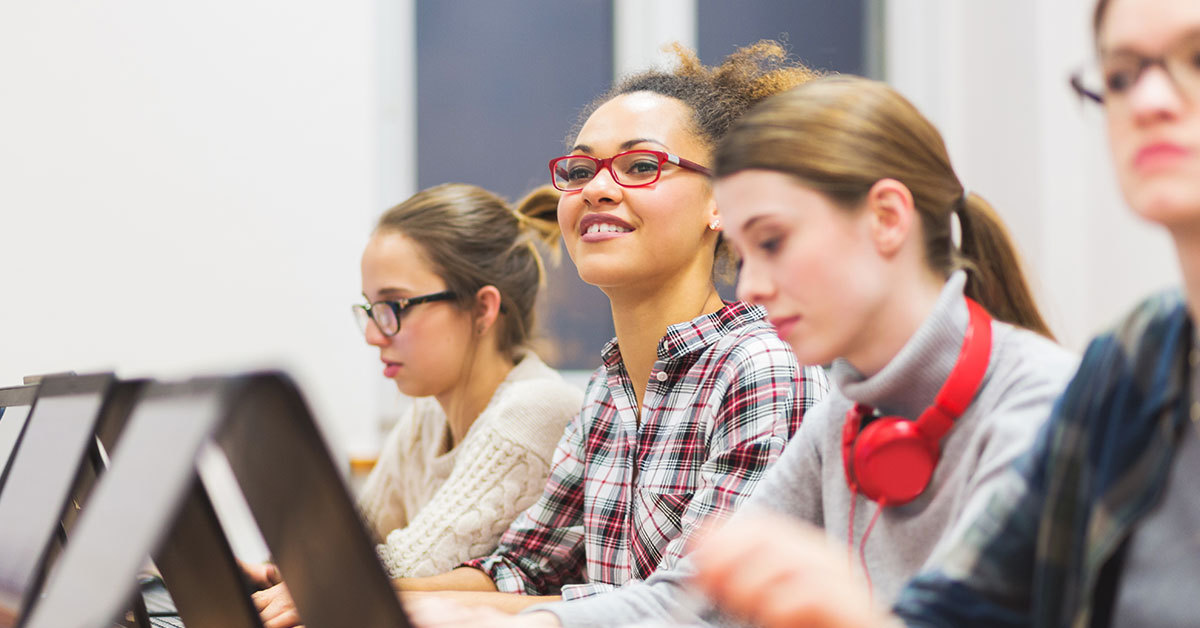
{"x": 1025, "y": 374}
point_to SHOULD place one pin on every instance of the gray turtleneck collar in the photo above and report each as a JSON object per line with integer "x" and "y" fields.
{"x": 909, "y": 382}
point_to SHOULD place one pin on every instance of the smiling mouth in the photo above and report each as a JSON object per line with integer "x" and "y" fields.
{"x": 605, "y": 228}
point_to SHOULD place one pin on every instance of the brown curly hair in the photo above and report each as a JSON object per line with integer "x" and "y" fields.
{"x": 717, "y": 97}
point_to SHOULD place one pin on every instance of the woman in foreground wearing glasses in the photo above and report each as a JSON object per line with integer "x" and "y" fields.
{"x": 451, "y": 276}
{"x": 1098, "y": 524}
{"x": 696, "y": 397}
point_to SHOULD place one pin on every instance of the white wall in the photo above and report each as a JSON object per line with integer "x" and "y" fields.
{"x": 993, "y": 77}
{"x": 186, "y": 187}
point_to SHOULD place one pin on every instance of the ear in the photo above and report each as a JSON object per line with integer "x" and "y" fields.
{"x": 487, "y": 308}
{"x": 892, "y": 214}
{"x": 712, "y": 216}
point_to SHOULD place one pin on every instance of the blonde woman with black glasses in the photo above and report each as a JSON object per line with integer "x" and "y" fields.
{"x": 450, "y": 278}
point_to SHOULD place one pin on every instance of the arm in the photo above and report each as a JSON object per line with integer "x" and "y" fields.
{"x": 542, "y": 548}
{"x": 493, "y": 480}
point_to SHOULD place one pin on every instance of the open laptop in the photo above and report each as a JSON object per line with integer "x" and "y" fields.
{"x": 36, "y": 486}
{"x": 150, "y": 498}
{"x": 53, "y": 458}
{"x": 15, "y": 403}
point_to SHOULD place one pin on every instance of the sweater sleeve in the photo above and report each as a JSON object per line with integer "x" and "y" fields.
{"x": 500, "y": 472}
{"x": 465, "y": 518}
{"x": 543, "y": 548}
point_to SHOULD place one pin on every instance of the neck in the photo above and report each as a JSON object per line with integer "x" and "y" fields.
{"x": 1187, "y": 248}
{"x": 463, "y": 403}
{"x": 642, "y": 314}
{"x": 894, "y": 322}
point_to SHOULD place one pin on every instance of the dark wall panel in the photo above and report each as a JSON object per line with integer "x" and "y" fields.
{"x": 499, "y": 85}
{"x": 826, "y": 34}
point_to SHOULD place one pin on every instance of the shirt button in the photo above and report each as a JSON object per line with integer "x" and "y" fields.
{"x": 661, "y": 376}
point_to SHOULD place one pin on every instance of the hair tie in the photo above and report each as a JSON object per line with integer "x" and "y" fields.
{"x": 955, "y": 230}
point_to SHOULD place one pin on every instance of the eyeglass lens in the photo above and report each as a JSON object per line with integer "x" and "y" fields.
{"x": 1117, "y": 73}
{"x": 632, "y": 168}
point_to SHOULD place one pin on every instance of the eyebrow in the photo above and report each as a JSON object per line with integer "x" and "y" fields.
{"x": 391, "y": 292}
{"x": 746, "y": 226}
{"x": 1125, "y": 49}
{"x": 624, "y": 145}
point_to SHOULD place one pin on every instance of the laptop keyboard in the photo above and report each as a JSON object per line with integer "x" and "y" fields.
{"x": 159, "y": 605}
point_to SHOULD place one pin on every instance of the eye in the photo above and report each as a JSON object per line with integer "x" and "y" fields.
{"x": 643, "y": 166}
{"x": 580, "y": 172}
{"x": 1118, "y": 82}
{"x": 770, "y": 246}
{"x": 1120, "y": 75}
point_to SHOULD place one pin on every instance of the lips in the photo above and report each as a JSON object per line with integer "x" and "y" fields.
{"x": 784, "y": 325}
{"x": 1158, "y": 155}
{"x": 390, "y": 369}
{"x": 600, "y": 227}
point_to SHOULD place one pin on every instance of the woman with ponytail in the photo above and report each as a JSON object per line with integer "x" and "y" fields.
{"x": 450, "y": 279}
{"x": 867, "y": 251}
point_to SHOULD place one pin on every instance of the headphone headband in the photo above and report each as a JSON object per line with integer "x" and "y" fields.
{"x": 964, "y": 380}
{"x": 893, "y": 458}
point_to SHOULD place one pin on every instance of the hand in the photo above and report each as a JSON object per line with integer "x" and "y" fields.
{"x": 775, "y": 571}
{"x": 276, "y": 608}
{"x": 430, "y": 610}
{"x": 261, "y": 575}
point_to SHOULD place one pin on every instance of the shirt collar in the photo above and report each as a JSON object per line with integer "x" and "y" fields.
{"x": 696, "y": 334}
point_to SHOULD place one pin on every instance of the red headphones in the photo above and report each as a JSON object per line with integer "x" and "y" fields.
{"x": 893, "y": 459}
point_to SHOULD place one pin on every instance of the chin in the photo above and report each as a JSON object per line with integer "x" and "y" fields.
{"x": 1174, "y": 204}
{"x": 603, "y": 273}
{"x": 809, "y": 355}
{"x": 410, "y": 388}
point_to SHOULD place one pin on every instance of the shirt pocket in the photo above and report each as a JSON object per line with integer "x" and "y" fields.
{"x": 657, "y": 520}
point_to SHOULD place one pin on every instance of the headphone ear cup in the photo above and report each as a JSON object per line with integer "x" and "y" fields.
{"x": 893, "y": 461}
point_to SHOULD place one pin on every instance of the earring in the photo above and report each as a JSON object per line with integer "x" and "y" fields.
{"x": 715, "y": 225}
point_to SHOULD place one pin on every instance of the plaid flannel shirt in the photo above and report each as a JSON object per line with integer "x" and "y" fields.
{"x": 1042, "y": 554}
{"x": 624, "y": 496}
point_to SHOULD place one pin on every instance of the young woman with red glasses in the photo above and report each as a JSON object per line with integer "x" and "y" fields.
{"x": 696, "y": 397}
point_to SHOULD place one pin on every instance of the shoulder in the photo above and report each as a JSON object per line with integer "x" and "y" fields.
{"x": 1159, "y": 321}
{"x": 751, "y": 344}
{"x": 1022, "y": 358}
{"x": 533, "y": 412}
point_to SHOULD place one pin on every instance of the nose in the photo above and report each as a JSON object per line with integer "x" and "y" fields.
{"x": 602, "y": 189}
{"x": 1154, "y": 96}
{"x": 374, "y": 337}
{"x": 754, "y": 284}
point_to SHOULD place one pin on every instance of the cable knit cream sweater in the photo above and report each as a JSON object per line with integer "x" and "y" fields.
{"x": 437, "y": 509}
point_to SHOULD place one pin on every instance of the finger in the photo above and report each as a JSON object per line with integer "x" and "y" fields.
{"x": 261, "y": 599}
{"x": 271, "y": 573}
{"x": 288, "y": 619}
